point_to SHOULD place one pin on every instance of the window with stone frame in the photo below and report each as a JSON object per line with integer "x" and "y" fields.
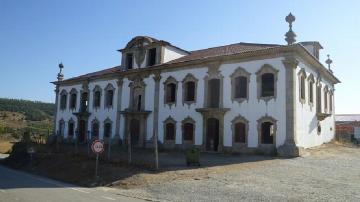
{"x": 151, "y": 56}
{"x": 267, "y": 130}
{"x": 63, "y": 99}
{"x": 311, "y": 89}
{"x": 331, "y": 101}
{"x": 170, "y": 131}
{"x": 84, "y": 101}
{"x": 188, "y": 130}
{"x": 267, "y": 133}
{"x": 71, "y": 128}
{"x": 239, "y": 130}
{"x": 267, "y": 85}
{"x": 170, "y": 88}
{"x": 109, "y": 96}
{"x": 267, "y": 82}
{"x": 213, "y": 94}
{"x": 97, "y": 96}
{"x": 95, "y": 127}
{"x": 107, "y": 128}
{"x": 189, "y": 84}
{"x": 61, "y": 130}
{"x": 326, "y": 90}
{"x": 240, "y": 85}
{"x": 73, "y": 98}
{"x": 302, "y": 77}
{"x": 129, "y": 60}
{"x": 318, "y": 98}
{"x": 137, "y": 94}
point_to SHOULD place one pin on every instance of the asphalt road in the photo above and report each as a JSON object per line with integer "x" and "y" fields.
{"x": 23, "y": 187}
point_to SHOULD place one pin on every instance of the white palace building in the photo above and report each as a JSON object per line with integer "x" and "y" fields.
{"x": 243, "y": 97}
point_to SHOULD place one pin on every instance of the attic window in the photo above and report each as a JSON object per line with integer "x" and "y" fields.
{"x": 152, "y": 57}
{"x": 129, "y": 61}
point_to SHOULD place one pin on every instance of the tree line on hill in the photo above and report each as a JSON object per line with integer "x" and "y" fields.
{"x": 33, "y": 110}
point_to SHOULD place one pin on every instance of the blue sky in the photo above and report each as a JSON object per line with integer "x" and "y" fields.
{"x": 36, "y": 35}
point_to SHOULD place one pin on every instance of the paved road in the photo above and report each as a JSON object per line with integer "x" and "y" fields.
{"x": 23, "y": 187}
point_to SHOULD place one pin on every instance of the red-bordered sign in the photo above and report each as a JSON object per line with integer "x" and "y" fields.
{"x": 97, "y": 147}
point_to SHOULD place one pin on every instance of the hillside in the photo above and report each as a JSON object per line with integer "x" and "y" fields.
{"x": 33, "y": 110}
{"x": 18, "y": 116}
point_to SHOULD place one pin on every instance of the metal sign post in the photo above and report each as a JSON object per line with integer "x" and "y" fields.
{"x": 97, "y": 147}
{"x": 96, "y": 165}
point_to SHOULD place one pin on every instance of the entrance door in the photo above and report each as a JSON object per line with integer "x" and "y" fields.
{"x": 212, "y": 134}
{"x": 135, "y": 131}
{"x": 82, "y": 131}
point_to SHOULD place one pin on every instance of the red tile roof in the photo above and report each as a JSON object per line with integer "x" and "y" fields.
{"x": 194, "y": 55}
{"x": 223, "y": 50}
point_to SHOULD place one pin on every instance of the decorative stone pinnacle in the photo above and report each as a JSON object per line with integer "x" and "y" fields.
{"x": 328, "y": 62}
{"x": 60, "y": 75}
{"x": 290, "y": 35}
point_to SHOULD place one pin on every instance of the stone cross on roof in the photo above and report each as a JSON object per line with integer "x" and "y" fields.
{"x": 60, "y": 75}
{"x": 290, "y": 35}
{"x": 328, "y": 62}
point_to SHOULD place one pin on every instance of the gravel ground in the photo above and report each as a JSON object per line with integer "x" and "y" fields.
{"x": 329, "y": 173}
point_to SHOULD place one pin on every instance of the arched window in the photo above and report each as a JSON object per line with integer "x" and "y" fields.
{"x": 189, "y": 84}
{"x": 97, "y": 96}
{"x": 170, "y": 90}
{"x": 95, "y": 129}
{"x": 266, "y": 82}
{"x": 73, "y": 97}
{"x": 63, "y": 99}
{"x": 109, "y": 97}
{"x": 107, "y": 129}
{"x": 267, "y": 130}
{"x": 240, "y": 85}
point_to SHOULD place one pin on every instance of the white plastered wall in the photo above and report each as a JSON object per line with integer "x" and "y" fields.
{"x": 306, "y": 120}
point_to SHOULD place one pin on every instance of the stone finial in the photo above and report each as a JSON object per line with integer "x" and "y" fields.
{"x": 290, "y": 35}
{"x": 328, "y": 62}
{"x": 60, "y": 75}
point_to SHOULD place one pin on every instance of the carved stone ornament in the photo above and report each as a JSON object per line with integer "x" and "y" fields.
{"x": 140, "y": 52}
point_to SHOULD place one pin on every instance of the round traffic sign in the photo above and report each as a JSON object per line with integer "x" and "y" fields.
{"x": 97, "y": 146}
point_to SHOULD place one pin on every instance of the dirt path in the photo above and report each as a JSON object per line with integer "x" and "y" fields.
{"x": 329, "y": 173}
